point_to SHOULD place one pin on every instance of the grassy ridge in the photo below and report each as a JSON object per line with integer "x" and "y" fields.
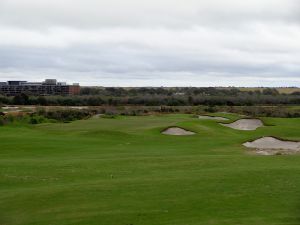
{"x": 123, "y": 171}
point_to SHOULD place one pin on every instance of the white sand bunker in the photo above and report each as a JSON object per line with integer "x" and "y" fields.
{"x": 177, "y": 131}
{"x": 273, "y": 146}
{"x": 212, "y": 118}
{"x": 245, "y": 124}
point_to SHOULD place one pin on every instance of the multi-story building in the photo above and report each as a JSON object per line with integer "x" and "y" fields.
{"x": 48, "y": 87}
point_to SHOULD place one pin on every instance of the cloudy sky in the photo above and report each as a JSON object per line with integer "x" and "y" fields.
{"x": 152, "y": 42}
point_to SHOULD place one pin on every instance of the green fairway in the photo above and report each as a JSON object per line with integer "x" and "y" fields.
{"x": 123, "y": 171}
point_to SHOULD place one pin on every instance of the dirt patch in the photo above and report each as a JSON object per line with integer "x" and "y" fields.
{"x": 273, "y": 146}
{"x": 177, "y": 131}
{"x": 245, "y": 124}
{"x": 212, "y": 118}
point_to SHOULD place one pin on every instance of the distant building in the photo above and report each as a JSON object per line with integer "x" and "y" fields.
{"x": 48, "y": 87}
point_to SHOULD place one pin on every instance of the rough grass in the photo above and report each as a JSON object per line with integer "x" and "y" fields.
{"x": 123, "y": 171}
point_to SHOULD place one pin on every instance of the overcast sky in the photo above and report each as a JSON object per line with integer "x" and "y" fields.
{"x": 152, "y": 42}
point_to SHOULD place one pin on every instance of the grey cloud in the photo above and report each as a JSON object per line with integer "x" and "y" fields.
{"x": 95, "y": 13}
{"x": 141, "y": 43}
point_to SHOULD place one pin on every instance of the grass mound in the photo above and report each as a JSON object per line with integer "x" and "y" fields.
{"x": 213, "y": 118}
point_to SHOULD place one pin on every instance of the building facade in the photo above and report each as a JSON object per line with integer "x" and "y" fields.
{"x": 48, "y": 87}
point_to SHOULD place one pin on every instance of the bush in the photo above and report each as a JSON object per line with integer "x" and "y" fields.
{"x": 65, "y": 115}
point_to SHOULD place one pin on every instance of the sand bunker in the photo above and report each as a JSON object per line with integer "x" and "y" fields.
{"x": 245, "y": 124}
{"x": 177, "y": 131}
{"x": 273, "y": 146}
{"x": 212, "y": 118}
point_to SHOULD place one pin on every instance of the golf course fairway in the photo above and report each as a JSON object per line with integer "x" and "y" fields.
{"x": 124, "y": 171}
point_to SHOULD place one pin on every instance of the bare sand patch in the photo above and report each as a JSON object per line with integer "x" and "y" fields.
{"x": 177, "y": 131}
{"x": 273, "y": 146}
{"x": 245, "y": 124}
{"x": 10, "y": 107}
{"x": 212, "y": 118}
{"x": 79, "y": 107}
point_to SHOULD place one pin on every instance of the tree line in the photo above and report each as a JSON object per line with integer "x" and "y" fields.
{"x": 187, "y": 96}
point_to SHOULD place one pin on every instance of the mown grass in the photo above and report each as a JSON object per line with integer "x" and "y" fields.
{"x": 123, "y": 171}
